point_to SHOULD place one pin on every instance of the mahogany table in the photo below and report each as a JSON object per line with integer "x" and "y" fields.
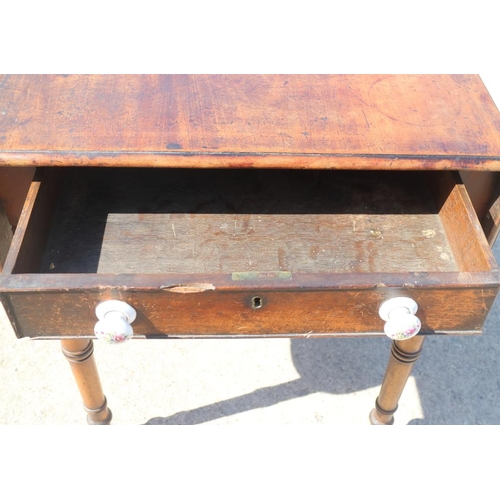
{"x": 244, "y": 206}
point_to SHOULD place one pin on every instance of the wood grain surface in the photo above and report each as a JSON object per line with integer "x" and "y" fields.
{"x": 224, "y": 221}
{"x": 289, "y": 121}
{"x": 290, "y": 313}
{"x": 219, "y": 292}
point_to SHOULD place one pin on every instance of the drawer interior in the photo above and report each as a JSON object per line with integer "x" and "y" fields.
{"x": 143, "y": 221}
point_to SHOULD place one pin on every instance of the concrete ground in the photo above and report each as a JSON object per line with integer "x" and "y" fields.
{"x": 275, "y": 381}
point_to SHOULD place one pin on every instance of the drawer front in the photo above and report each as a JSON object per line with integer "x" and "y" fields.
{"x": 249, "y": 313}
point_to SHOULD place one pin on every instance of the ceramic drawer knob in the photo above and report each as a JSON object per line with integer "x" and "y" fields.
{"x": 399, "y": 315}
{"x": 115, "y": 318}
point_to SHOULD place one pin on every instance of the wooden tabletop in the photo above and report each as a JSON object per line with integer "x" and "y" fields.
{"x": 288, "y": 121}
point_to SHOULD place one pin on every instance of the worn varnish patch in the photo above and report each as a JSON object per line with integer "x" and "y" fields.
{"x": 188, "y": 288}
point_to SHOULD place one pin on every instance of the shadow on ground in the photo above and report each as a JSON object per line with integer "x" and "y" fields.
{"x": 325, "y": 365}
{"x": 458, "y": 378}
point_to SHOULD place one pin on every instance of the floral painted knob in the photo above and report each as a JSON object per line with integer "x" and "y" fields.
{"x": 115, "y": 317}
{"x": 399, "y": 315}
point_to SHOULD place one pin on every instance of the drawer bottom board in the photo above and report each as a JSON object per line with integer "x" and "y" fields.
{"x": 245, "y": 221}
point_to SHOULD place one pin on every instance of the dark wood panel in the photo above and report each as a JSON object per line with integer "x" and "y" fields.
{"x": 292, "y": 121}
{"x": 30, "y": 237}
{"x": 14, "y": 186}
{"x": 5, "y": 236}
{"x": 484, "y": 190}
{"x": 480, "y": 186}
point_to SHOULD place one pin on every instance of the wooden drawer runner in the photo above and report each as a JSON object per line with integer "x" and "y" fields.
{"x": 202, "y": 252}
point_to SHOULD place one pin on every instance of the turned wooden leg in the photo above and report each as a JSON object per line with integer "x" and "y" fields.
{"x": 80, "y": 354}
{"x": 404, "y": 353}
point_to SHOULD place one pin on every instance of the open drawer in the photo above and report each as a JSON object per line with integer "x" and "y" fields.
{"x": 238, "y": 253}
